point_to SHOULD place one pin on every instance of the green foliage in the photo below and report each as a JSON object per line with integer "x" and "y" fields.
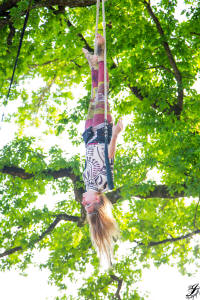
{"x": 144, "y": 89}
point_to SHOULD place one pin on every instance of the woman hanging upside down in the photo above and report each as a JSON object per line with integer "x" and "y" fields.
{"x": 102, "y": 225}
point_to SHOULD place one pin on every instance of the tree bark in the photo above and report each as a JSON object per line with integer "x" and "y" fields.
{"x": 7, "y": 5}
{"x": 159, "y": 191}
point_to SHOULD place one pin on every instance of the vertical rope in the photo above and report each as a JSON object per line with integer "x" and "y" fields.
{"x": 105, "y": 52}
{"x": 108, "y": 168}
{"x": 105, "y": 61}
{"x": 97, "y": 23}
{"x": 95, "y": 40}
{"x": 18, "y": 52}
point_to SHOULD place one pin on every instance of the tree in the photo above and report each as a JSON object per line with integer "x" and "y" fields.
{"x": 154, "y": 62}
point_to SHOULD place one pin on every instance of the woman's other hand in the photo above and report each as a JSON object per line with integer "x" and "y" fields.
{"x": 118, "y": 127}
{"x": 115, "y": 131}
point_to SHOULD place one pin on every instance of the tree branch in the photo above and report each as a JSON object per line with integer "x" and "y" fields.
{"x": 179, "y": 105}
{"x": 160, "y": 67}
{"x": 195, "y": 33}
{"x": 59, "y": 218}
{"x": 136, "y": 91}
{"x": 16, "y": 172}
{"x": 116, "y": 278}
{"x": 87, "y": 46}
{"x": 7, "y": 5}
{"x": 65, "y": 3}
{"x": 153, "y": 243}
{"x": 44, "y": 64}
{"x": 53, "y": 61}
{"x": 160, "y": 191}
{"x": 19, "y": 172}
{"x": 10, "y": 251}
{"x": 61, "y": 10}
{"x": 11, "y": 34}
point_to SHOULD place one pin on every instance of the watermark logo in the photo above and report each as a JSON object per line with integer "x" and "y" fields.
{"x": 193, "y": 291}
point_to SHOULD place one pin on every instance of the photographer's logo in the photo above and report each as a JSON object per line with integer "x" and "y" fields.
{"x": 193, "y": 291}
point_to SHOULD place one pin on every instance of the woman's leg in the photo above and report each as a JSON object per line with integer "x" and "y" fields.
{"x": 89, "y": 121}
{"x": 99, "y": 104}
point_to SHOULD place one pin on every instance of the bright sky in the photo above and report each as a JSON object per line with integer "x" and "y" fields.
{"x": 164, "y": 283}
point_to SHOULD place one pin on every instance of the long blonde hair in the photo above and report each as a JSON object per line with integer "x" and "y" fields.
{"x": 103, "y": 229}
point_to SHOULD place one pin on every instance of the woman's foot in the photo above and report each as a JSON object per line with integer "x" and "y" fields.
{"x": 100, "y": 47}
{"x": 92, "y": 59}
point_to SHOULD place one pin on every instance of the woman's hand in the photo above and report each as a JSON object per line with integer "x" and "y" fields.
{"x": 117, "y": 128}
{"x": 115, "y": 131}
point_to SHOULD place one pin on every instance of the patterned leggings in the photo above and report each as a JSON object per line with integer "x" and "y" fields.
{"x": 96, "y": 108}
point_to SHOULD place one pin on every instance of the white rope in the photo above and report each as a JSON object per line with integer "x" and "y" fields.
{"x": 95, "y": 40}
{"x": 108, "y": 170}
{"x": 105, "y": 51}
{"x": 105, "y": 61}
{"x": 96, "y": 31}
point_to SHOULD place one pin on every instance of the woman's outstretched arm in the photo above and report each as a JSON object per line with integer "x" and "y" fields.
{"x": 113, "y": 143}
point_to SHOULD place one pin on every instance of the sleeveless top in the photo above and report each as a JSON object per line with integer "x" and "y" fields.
{"x": 95, "y": 175}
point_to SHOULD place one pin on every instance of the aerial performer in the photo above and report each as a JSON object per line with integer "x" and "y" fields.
{"x": 103, "y": 227}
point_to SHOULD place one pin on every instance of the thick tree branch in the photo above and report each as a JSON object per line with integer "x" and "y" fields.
{"x": 179, "y": 105}
{"x": 11, "y": 34}
{"x": 16, "y": 172}
{"x": 7, "y": 5}
{"x": 136, "y": 91}
{"x": 10, "y": 251}
{"x": 160, "y": 191}
{"x": 19, "y": 172}
{"x": 64, "y": 172}
{"x": 60, "y": 217}
{"x": 119, "y": 280}
{"x": 65, "y": 3}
